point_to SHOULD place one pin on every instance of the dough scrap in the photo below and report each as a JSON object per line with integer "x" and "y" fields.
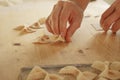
{"x": 70, "y": 70}
{"x": 115, "y": 66}
{"x": 86, "y": 76}
{"x": 36, "y": 73}
{"x": 49, "y": 39}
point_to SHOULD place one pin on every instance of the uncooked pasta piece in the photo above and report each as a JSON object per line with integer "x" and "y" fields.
{"x": 89, "y": 75}
{"x": 49, "y": 39}
{"x": 106, "y": 69}
{"x": 36, "y": 25}
{"x": 36, "y": 73}
{"x": 86, "y": 76}
{"x": 70, "y": 70}
{"x": 42, "y": 21}
{"x": 19, "y": 27}
{"x": 102, "y": 78}
{"x": 53, "y": 77}
{"x": 28, "y": 30}
{"x": 82, "y": 77}
{"x": 99, "y": 65}
{"x": 111, "y": 74}
{"x": 115, "y": 66}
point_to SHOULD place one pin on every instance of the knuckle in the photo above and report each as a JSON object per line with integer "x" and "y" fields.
{"x": 54, "y": 18}
{"x": 107, "y": 23}
{"x": 62, "y": 18}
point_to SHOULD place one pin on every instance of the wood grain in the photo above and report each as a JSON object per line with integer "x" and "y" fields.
{"x": 87, "y": 44}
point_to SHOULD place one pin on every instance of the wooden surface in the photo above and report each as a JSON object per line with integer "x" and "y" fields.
{"x": 87, "y": 44}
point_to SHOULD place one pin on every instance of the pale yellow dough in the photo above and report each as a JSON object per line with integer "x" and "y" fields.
{"x": 86, "y": 76}
{"x": 70, "y": 70}
{"x": 53, "y": 77}
{"x": 115, "y": 66}
{"x": 37, "y": 73}
{"x": 49, "y": 39}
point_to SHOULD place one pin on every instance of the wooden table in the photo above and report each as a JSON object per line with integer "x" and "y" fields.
{"x": 87, "y": 44}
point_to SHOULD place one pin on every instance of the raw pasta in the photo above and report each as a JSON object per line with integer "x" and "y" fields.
{"x": 86, "y": 76}
{"x": 49, "y": 39}
{"x": 53, "y": 77}
{"x": 99, "y": 65}
{"x": 37, "y": 73}
{"x": 70, "y": 70}
{"x": 115, "y": 66}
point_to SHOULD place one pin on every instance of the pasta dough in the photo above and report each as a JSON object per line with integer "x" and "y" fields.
{"x": 49, "y": 39}
{"x": 99, "y": 65}
{"x": 70, "y": 70}
{"x": 53, "y": 77}
{"x": 101, "y": 78}
{"x": 115, "y": 66}
{"x": 86, "y": 76}
{"x": 37, "y": 73}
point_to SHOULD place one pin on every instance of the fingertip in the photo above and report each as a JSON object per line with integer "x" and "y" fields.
{"x": 68, "y": 39}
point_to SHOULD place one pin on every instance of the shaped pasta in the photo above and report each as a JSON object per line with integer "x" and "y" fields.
{"x": 86, "y": 76}
{"x": 37, "y": 73}
{"x": 70, "y": 70}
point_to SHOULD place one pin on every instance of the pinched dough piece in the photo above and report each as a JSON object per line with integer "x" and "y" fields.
{"x": 106, "y": 69}
{"x": 56, "y": 38}
{"x": 90, "y": 75}
{"x": 101, "y": 78}
{"x": 28, "y": 30}
{"x": 70, "y": 70}
{"x": 49, "y": 39}
{"x": 99, "y": 65}
{"x": 53, "y": 77}
{"x": 86, "y": 76}
{"x": 42, "y": 20}
{"x": 36, "y": 73}
{"x": 115, "y": 66}
{"x": 36, "y": 25}
{"x": 19, "y": 27}
{"x": 111, "y": 74}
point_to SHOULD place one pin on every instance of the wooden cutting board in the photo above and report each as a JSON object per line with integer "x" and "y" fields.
{"x": 87, "y": 44}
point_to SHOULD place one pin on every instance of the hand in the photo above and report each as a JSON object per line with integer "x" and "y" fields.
{"x": 63, "y": 12}
{"x": 111, "y": 17}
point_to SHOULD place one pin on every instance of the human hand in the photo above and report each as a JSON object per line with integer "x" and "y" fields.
{"x": 63, "y": 12}
{"x": 111, "y": 17}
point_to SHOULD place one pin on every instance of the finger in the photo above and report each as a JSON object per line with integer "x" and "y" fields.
{"x": 48, "y": 25}
{"x": 116, "y": 26}
{"x": 110, "y": 20}
{"x": 55, "y": 15}
{"x": 64, "y": 16}
{"x": 71, "y": 30}
{"x": 108, "y": 12}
